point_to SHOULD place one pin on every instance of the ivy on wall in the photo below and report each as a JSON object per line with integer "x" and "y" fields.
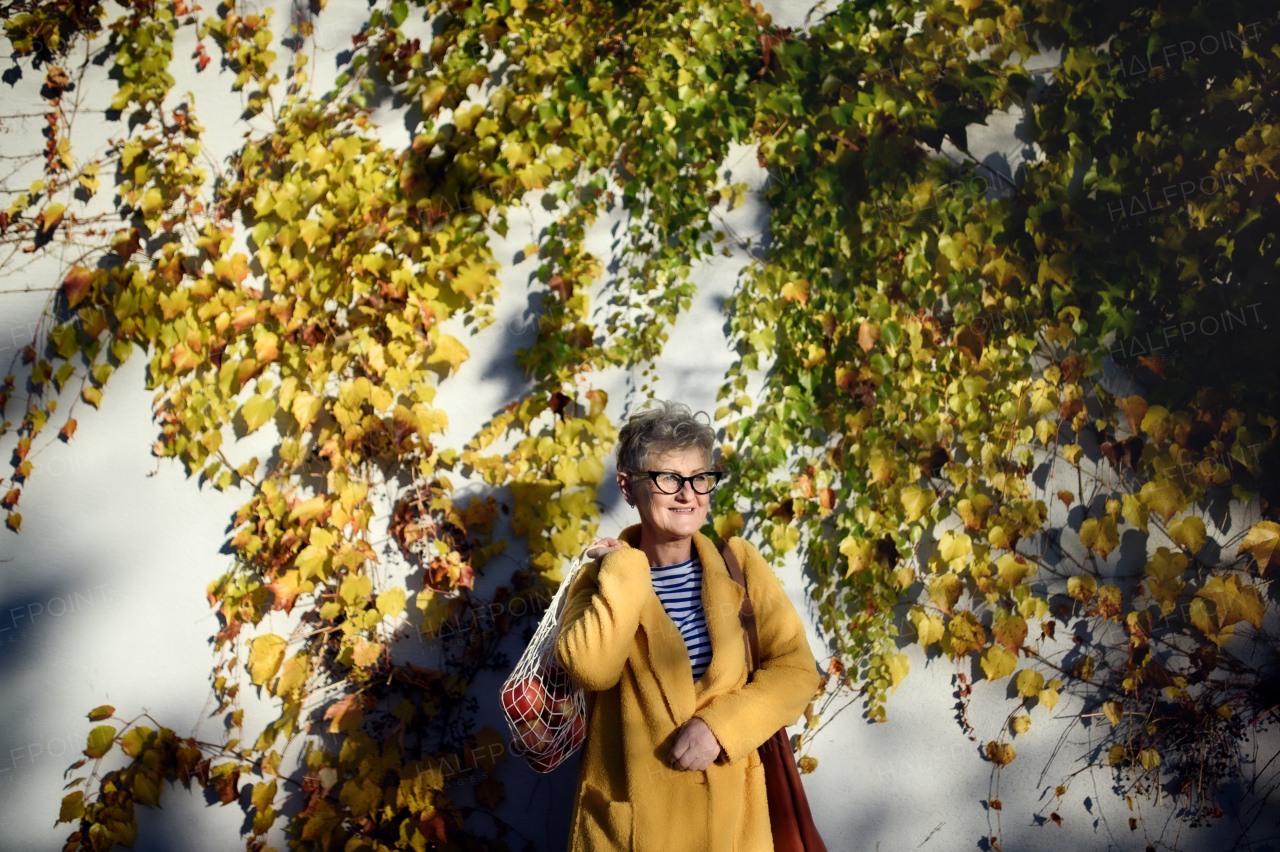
{"x": 941, "y": 421}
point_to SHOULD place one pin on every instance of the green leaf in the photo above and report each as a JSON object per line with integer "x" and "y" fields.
{"x": 105, "y": 711}
{"x": 101, "y": 739}
{"x": 399, "y": 11}
{"x": 72, "y": 806}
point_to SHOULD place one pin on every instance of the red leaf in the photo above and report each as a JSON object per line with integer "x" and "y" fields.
{"x": 77, "y": 284}
{"x": 227, "y": 788}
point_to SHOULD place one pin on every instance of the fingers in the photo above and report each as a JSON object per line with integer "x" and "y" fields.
{"x": 695, "y": 748}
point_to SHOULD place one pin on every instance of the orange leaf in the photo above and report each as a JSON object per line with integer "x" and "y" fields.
{"x": 868, "y": 334}
{"x": 77, "y": 284}
{"x": 346, "y": 714}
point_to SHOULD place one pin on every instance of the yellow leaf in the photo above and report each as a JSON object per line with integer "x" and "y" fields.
{"x": 916, "y": 501}
{"x": 1100, "y": 535}
{"x": 1030, "y": 683}
{"x": 1010, "y": 632}
{"x": 366, "y": 653}
{"x": 1082, "y": 588}
{"x": 1233, "y": 602}
{"x": 473, "y": 280}
{"x": 728, "y": 524}
{"x": 1149, "y": 758}
{"x": 929, "y": 628}
{"x": 293, "y": 674}
{"x": 308, "y": 509}
{"x": 355, "y": 588}
{"x": 1021, "y": 724}
{"x": 1156, "y": 423}
{"x": 1134, "y": 512}
{"x": 898, "y": 667}
{"x": 879, "y": 466}
{"x": 997, "y": 662}
{"x": 784, "y": 538}
{"x": 346, "y": 714}
{"x": 859, "y": 553}
{"x": 448, "y": 355}
{"x": 391, "y": 603}
{"x": 1261, "y": 541}
{"x": 304, "y": 408}
{"x": 1164, "y": 577}
{"x": 1109, "y": 601}
{"x": 1072, "y": 453}
{"x": 266, "y": 653}
{"x": 257, "y": 411}
{"x": 1000, "y": 753}
{"x": 1162, "y": 497}
{"x": 1048, "y": 698}
{"x": 1045, "y": 432}
{"x": 955, "y": 550}
{"x": 944, "y": 591}
{"x": 1188, "y": 532}
{"x": 1113, "y": 712}
{"x": 965, "y": 635}
{"x": 1014, "y": 569}
{"x": 264, "y": 793}
{"x": 796, "y": 291}
{"x": 267, "y": 348}
{"x": 974, "y": 511}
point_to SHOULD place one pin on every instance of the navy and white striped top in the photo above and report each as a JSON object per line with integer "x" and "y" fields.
{"x": 679, "y": 587}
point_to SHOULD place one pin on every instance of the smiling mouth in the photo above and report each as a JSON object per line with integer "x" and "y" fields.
{"x": 682, "y": 510}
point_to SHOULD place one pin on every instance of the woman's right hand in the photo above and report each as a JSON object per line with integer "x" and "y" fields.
{"x": 598, "y": 548}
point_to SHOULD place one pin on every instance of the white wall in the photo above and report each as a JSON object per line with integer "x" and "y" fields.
{"x": 102, "y": 594}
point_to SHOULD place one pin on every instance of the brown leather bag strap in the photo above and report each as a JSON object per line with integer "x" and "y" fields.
{"x": 747, "y": 614}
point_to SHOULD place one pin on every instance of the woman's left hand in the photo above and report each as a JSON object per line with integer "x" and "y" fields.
{"x": 695, "y": 748}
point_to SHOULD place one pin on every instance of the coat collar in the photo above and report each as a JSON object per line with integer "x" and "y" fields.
{"x": 667, "y": 655}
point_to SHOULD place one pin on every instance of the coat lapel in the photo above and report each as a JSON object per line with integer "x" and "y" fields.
{"x": 663, "y": 647}
{"x": 721, "y": 601}
{"x": 668, "y": 657}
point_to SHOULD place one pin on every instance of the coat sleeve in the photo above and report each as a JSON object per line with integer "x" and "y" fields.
{"x": 601, "y": 617}
{"x": 788, "y": 675}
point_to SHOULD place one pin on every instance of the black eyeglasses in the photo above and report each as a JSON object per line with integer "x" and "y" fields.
{"x": 671, "y": 483}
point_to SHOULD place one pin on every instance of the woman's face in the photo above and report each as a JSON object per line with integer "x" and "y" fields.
{"x": 667, "y": 516}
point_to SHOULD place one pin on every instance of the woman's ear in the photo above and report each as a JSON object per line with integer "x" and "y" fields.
{"x": 624, "y": 485}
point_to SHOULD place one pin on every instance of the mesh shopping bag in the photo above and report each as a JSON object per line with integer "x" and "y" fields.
{"x": 545, "y": 708}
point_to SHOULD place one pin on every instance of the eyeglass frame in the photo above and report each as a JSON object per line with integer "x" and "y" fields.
{"x": 718, "y": 476}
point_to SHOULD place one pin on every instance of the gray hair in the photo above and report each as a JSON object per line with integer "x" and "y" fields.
{"x": 662, "y": 427}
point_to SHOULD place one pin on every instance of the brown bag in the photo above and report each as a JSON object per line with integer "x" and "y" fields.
{"x": 789, "y": 816}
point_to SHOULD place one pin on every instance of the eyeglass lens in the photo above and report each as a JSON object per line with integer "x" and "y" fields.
{"x": 671, "y": 483}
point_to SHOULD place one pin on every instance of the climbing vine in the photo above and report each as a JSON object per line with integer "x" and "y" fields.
{"x": 993, "y": 418}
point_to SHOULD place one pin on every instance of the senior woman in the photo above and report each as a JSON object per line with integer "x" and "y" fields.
{"x": 651, "y": 630}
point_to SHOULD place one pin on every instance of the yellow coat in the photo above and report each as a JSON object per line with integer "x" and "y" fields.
{"x": 621, "y": 645}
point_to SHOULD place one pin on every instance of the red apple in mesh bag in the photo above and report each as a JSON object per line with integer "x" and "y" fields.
{"x": 524, "y": 700}
{"x": 534, "y": 736}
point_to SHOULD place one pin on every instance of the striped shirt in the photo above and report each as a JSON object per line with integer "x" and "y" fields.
{"x": 679, "y": 587}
